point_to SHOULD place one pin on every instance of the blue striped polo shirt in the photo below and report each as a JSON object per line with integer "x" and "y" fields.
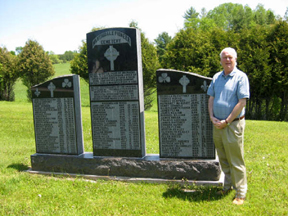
{"x": 227, "y": 90}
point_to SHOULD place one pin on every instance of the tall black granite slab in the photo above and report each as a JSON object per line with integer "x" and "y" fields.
{"x": 116, "y": 92}
{"x": 185, "y": 130}
{"x": 57, "y": 116}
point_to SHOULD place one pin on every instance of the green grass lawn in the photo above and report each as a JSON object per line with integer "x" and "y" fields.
{"x": 22, "y": 193}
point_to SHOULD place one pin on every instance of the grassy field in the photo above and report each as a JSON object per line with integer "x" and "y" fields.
{"x": 25, "y": 194}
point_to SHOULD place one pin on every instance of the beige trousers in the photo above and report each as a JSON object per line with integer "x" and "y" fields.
{"x": 229, "y": 143}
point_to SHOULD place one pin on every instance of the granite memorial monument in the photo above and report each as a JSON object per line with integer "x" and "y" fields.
{"x": 185, "y": 130}
{"x": 57, "y": 116}
{"x": 116, "y": 92}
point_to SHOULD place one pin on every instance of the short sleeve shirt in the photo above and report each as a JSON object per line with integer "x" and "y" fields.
{"x": 227, "y": 90}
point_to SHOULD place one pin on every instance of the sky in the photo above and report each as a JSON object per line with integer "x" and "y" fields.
{"x": 61, "y": 25}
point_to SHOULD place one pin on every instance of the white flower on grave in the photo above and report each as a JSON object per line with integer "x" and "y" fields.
{"x": 164, "y": 78}
{"x": 66, "y": 83}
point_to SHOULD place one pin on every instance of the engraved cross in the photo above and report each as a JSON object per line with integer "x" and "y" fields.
{"x": 111, "y": 54}
{"x": 51, "y": 87}
{"x": 184, "y": 81}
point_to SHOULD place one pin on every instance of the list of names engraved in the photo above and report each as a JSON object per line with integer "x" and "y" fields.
{"x": 117, "y": 125}
{"x": 54, "y": 120}
{"x": 114, "y": 92}
{"x": 110, "y": 78}
{"x": 185, "y": 127}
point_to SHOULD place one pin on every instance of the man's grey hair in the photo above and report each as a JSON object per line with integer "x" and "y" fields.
{"x": 230, "y": 50}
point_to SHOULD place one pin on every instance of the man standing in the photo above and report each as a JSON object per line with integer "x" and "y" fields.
{"x": 228, "y": 93}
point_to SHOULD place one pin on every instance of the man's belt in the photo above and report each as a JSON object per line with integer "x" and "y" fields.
{"x": 236, "y": 119}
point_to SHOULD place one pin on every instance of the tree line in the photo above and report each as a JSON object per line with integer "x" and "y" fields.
{"x": 261, "y": 41}
{"x": 259, "y": 36}
{"x": 30, "y": 63}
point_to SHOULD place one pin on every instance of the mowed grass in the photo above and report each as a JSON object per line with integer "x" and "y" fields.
{"x": 22, "y": 193}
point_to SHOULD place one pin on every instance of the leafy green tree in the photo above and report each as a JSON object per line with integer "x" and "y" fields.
{"x": 229, "y": 17}
{"x": 134, "y": 24}
{"x": 222, "y": 15}
{"x": 162, "y": 41}
{"x": 286, "y": 15}
{"x": 79, "y": 64}
{"x": 263, "y": 17}
{"x": 34, "y": 65}
{"x": 1, "y": 78}
{"x": 67, "y": 56}
{"x": 198, "y": 51}
{"x": 54, "y": 58}
{"x": 8, "y": 74}
{"x": 19, "y": 50}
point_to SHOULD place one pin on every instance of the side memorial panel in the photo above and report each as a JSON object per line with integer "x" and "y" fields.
{"x": 57, "y": 116}
{"x": 185, "y": 130}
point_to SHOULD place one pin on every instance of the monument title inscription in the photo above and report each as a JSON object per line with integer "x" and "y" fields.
{"x": 116, "y": 92}
{"x": 185, "y": 130}
{"x": 57, "y": 116}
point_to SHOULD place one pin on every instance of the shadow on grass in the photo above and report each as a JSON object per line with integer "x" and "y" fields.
{"x": 19, "y": 166}
{"x": 193, "y": 195}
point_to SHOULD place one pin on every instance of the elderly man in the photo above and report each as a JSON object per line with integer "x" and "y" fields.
{"x": 228, "y": 92}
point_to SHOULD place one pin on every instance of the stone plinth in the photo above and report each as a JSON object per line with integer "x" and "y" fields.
{"x": 150, "y": 166}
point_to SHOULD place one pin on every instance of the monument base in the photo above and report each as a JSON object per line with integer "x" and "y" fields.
{"x": 150, "y": 166}
{"x": 218, "y": 183}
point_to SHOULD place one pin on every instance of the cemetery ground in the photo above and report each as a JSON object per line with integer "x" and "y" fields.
{"x": 22, "y": 193}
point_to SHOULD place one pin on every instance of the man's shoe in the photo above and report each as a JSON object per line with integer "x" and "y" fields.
{"x": 223, "y": 192}
{"x": 238, "y": 201}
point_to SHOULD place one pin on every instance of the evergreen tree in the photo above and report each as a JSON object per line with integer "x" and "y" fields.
{"x": 150, "y": 64}
{"x": 254, "y": 61}
{"x": 278, "y": 44}
{"x": 162, "y": 41}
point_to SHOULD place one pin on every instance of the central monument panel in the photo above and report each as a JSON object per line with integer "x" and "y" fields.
{"x": 116, "y": 92}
